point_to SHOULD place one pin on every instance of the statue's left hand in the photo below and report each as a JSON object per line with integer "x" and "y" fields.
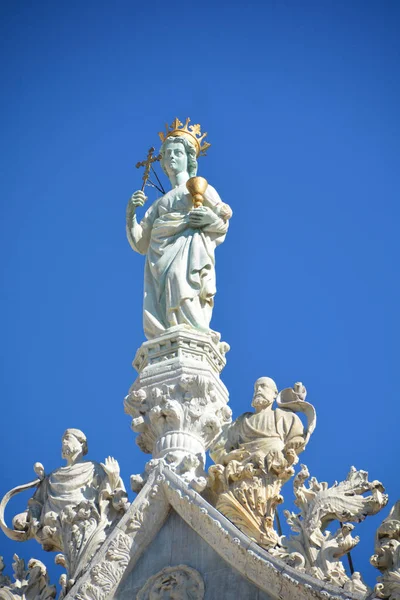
{"x": 111, "y": 467}
{"x": 200, "y": 217}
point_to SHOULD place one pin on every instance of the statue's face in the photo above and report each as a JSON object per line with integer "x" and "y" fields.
{"x": 265, "y": 393}
{"x": 175, "y": 158}
{"x": 70, "y": 446}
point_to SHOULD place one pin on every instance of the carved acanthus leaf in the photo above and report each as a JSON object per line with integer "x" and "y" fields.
{"x": 4, "y": 579}
{"x": 30, "y": 583}
{"x": 387, "y": 556}
{"x": 105, "y": 575}
{"x": 177, "y": 422}
{"x": 316, "y": 550}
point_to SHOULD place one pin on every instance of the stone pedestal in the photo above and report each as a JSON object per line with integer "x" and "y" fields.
{"x": 178, "y": 401}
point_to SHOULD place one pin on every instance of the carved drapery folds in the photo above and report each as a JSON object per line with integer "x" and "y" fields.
{"x": 31, "y": 583}
{"x": 256, "y": 455}
{"x": 178, "y": 402}
{"x": 387, "y": 556}
{"x": 73, "y": 508}
{"x": 315, "y": 550}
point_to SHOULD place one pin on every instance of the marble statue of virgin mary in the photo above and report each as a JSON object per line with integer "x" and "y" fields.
{"x": 179, "y": 243}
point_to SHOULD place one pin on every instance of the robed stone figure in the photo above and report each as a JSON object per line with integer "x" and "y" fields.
{"x": 179, "y": 243}
{"x": 73, "y": 508}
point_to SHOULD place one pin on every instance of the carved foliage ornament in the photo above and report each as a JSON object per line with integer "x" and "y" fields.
{"x": 315, "y": 550}
{"x": 107, "y": 574}
{"x": 189, "y": 405}
{"x": 387, "y": 556}
{"x": 30, "y": 583}
{"x": 178, "y": 422}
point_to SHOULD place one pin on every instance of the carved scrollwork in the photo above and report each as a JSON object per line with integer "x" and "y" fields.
{"x": 315, "y": 550}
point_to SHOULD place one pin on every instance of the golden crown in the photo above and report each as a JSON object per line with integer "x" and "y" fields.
{"x": 190, "y": 132}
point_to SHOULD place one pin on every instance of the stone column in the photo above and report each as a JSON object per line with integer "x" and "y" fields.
{"x": 178, "y": 401}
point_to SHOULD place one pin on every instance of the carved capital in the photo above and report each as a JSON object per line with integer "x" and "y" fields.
{"x": 178, "y": 404}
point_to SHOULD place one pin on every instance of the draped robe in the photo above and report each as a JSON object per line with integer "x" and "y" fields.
{"x": 179, "y": 281}
{"x": 71, "y": 492}
{"x": 269, "y": 429}
{"x": 69, "y": 486}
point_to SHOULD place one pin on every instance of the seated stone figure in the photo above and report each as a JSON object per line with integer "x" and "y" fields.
{"x": 255, "y": 455}
{"x": 269, "y": 437}
{"x": 73, "y": 507}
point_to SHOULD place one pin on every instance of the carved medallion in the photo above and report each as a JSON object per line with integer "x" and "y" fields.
{"x": 173, "y": 583}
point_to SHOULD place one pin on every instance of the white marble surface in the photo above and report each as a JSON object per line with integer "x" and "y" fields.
{"x": 387, "y": 556}
{"x": 255, "y": 456}
{"x": 73, "y": 508}
{"x": 132, "y": 537}
{"x": 178, "y": 401}
{"x": 179, "y": 242}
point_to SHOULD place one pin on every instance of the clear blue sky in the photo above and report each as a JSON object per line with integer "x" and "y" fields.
{"x": 301, "y": 102}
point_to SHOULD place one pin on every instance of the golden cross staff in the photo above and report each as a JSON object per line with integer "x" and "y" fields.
{"x": 148, "y": 165}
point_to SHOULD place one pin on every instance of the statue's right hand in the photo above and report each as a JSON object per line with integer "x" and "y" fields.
{"x": 137, "y": 199}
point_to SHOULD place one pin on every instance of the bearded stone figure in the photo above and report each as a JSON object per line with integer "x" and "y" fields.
{"x": 73, "y": 508}
{"x": 255, "y": 456}
{"x": 178, "y": 240}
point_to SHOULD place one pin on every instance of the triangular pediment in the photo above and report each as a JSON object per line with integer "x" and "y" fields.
{"x": 170, "y": 524}
{"x": 177, "y": 544}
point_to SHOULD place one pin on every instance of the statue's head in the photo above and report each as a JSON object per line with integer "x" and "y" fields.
{"x": 265, "y": 392}
{"x": 73, "y": 444}
{"x": 178, "y": 155}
